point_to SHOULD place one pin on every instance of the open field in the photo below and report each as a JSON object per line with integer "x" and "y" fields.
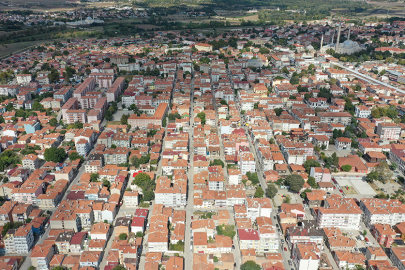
{"x": 47, "y": 5}
{"x": 19, "y": 47}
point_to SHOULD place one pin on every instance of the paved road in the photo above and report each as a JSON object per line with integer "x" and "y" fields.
{"x": 235, "y": 251}
{"x": 368, "y": 78}
{"x": 188, "y": 253}
{"x": 27, "y": 263}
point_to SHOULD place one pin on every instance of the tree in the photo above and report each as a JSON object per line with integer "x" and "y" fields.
{"x": 226, "y": 230}
{"x": 310, "y": 163}
{"x": 148, "y": 195}
{"x": 271, "y": 191}
{"x": 346, "y": 168}
{"x": 382, "y": 173}
{"x": 278, "y": 111}
{"x": 223, "y": 102}
{"x": 118, "y": 267}
{"x": 372, "y": 176}
{"x": 74, "y": 156}
{"x": 108, "y": 115}
{"x": 250, "y": 265}
{"x": 55, "y": 154}
{"x": 53, "y": 122}
{"x": 304, "y": 193}
{"x": 312, "y": 182}
{"x": 253, "y": 178}
{"x": 94, "y": 177}
{"x": 124, "y": 119}
{"x": 31, "y": 268}
{"x": 174, "y": 116}
{"x": 139, "y": 234}
{"x": 217, "y": 162}
{"x": 8, "y": 226}
{"x": 141, "y": 178}
{"x": 201, "y": 115}
{"x": 150, "y": 133}
{"x": 295, "y": 181}
{"x": 259, "y": 192}
{"x": 113, "y": 146}
{"x": 179, "y": 246}
{"x": 123, "y": 236}
{"x": 37, "y": 106}
{"x": 335, "y": 159}
{"x": 393, "y": 166}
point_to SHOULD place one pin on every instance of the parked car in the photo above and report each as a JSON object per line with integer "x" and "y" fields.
{"x": 285, "y": 249}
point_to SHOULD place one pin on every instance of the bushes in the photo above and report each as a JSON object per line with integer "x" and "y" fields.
{"x": 346, "y": 168}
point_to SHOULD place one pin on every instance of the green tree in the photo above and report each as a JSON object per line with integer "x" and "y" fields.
{"x": 295, "y": 181}
{"x": 372, "y": 176}
{"x": 217, "y": 162}
{"x": 278, "y": 111}
{"x": 259, "y": 192}
{"x": 381, "y": 173}
{"x": 31, "y": 268}
{"x": 312, "y": 182}
{"x": 141, "y": 178}
{"x": 226, "y": 230}
{"x": 124, "y": 119}
{"x": 304, "y": 193}
{"x": 123, "y": 236}
{"x": 37, "y": 106}
{"x": 55, "y": 154}
{"x": 201, "y": 115}
{"x": 250, "y": 265}
{"x": 179, "y": 246}
{"x": 118, "y": 267}
{"x": 74, "y": 155}
{"x": 335, "y": 159}
{"x": 94, "y": 177}
{"x": 393, "y": 166}
{"x": 53, "y": 122}
{"x": 271, "y": 191}
{"x": 108, "y": 116}
{"x": 253, "y": 177}
{"x": 346, "y": 168}
{"x": 174, "y": 116}
{"x": 151, "y": 133}
{"x": 139, "y": 234}
{"x": 310, "y": 163}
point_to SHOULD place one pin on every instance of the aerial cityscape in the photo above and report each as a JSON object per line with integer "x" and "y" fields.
{"x": 160, "y": 135}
